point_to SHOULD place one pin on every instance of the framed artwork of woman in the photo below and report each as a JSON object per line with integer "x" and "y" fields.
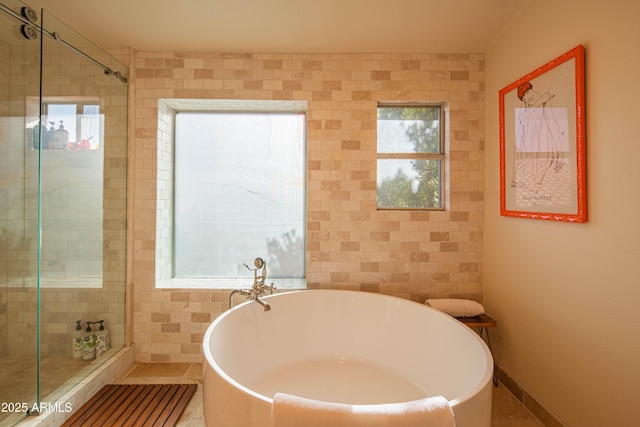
{"x": 542, "y": 142}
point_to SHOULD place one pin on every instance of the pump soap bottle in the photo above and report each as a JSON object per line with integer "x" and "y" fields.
{"x": 88, "y": 344}
{"x": 76, "y": 341}
{"x": 102, "y": 339}
{"x": 61, "y": 138}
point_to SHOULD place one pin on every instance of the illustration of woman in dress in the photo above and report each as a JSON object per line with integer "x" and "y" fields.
{"x": 538, "y": 143}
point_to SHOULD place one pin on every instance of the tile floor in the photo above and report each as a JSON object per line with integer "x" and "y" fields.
{"x": 507, "y": 411}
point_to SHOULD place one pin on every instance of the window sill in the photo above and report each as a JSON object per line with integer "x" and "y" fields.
{"x": 227, "y": 284}
{"x": 88, "y": 282}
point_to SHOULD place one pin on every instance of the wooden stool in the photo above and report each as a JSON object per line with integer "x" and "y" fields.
{"x": 482, "y": 322}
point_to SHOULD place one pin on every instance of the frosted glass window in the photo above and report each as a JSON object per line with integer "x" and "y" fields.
{"x": 72, "y": 193}
{"x": 239, "y": 193}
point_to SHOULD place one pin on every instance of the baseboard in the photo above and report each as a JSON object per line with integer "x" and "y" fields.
{"x": 528, "y": 401}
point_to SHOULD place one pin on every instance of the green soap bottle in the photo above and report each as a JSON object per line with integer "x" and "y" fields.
{"x": 76, "y": 341}
{"x": 88, "y": 344}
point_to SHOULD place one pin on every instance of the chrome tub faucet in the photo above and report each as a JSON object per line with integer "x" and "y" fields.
{"x": 259, "y": 288}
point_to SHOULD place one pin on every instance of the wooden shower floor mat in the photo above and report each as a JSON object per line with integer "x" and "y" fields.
{"x": 129, "y": 405}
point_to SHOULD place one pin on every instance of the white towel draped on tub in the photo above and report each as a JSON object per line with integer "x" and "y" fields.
{"x": 456, "y": 307}
{"x": 294, "y": 411}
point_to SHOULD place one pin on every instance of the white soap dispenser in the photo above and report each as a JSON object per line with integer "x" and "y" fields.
{"x": 60, "y": 138}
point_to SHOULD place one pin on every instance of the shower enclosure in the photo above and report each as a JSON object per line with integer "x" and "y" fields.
{"x": 63, "y": 146}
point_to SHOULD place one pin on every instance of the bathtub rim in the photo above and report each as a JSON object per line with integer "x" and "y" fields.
{"x": 459, "y": 400}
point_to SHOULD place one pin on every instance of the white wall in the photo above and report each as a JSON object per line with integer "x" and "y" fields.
{"x": 567, "y": 296}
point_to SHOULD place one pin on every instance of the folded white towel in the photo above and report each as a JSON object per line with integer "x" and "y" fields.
{"x": 456, "y": 307}
{"x": 294, "y": 411}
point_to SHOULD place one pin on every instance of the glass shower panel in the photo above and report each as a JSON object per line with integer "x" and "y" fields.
{"x": 63, "y": 147}
{"x": 83, "y": 206}
{"x": 19, "y": 157}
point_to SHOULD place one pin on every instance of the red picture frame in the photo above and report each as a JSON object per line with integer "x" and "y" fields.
{"x": 542, "y": 142}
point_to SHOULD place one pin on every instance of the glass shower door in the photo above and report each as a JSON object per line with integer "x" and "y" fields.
{"x": 19, "y": 175}
{"x": 83, "y": 207}
{"x": 63, "y": 162}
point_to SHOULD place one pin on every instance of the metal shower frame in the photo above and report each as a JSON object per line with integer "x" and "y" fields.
{"x": 108, "y": 71}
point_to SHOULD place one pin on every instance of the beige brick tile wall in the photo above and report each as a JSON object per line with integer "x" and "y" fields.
{"x": 350, "y": 244}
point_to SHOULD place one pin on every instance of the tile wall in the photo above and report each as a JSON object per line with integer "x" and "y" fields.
{"x": 350, "y": 244}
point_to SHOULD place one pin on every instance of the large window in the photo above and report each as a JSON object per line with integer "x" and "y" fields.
{"x": 410, "y": 157}
{"x": 239, "y": 193}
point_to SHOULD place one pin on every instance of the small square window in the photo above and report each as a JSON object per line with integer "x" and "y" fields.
{"x": 411, "y": 157}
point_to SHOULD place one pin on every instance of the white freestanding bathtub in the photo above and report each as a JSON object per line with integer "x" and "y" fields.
{"x": 341, "y": 346}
